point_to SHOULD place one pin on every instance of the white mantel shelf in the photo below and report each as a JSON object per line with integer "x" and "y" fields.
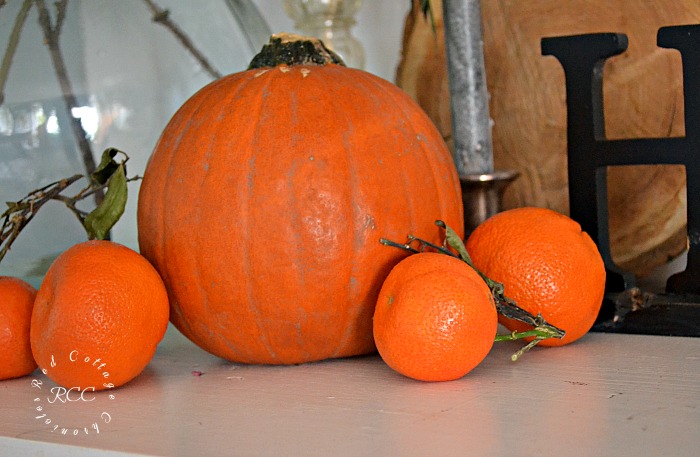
{"x": 606, "y": 395}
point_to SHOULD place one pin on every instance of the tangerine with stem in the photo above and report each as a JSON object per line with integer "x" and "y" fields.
{"x": 546, "y": 263}
{"x": 435, "y": 318}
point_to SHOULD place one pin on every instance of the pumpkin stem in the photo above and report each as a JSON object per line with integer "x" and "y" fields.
{"x": 291, "y": 49}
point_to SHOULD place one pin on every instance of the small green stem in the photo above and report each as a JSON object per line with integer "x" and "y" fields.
{"x": 524, "y": 349}
{"x": 537, "y": 333}
{"x": 421, "y": 242}
{"x": 405, "y": 247}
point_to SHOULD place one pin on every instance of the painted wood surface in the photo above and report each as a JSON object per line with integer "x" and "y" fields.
{"x": 622, "y": 395}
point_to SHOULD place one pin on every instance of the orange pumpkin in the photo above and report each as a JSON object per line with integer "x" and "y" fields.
{"x": 265, "y": 198}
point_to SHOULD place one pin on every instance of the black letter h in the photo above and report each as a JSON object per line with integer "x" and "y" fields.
{"x": 582, "y": 57}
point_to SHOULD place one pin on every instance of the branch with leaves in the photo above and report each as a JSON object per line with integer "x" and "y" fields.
{"x": 110, "y": 175}
{"x": 20, "y": 213}
{"x": 505, "y": 306}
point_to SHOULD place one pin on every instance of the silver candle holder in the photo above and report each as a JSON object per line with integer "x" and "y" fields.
{"x": 482, "y": 196}
{"x": 482, "y": 187}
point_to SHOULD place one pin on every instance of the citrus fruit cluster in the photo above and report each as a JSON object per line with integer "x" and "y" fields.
{"x": 436, "y": 318}
{"x": 98, "y": 300}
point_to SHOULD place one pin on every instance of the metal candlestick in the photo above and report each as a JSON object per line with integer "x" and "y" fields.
{"x": 482, "y": 196}
{"x": 469, "y": 101}
{"x": 482, "y": 188}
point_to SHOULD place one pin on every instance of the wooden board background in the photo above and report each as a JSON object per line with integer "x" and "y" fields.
{"x": 643, "y": 94}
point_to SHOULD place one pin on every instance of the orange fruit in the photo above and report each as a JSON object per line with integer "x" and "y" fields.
{"x": 99, "y": 314}
{"x": 546, "y": 263}
{"x": 16, "y": 302}
{"x": 435, "y": 318}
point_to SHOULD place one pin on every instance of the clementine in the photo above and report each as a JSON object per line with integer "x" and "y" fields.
{"x": 546, "y": 263}
{"x": 435, "y": 318}
{"x": 16, "y": 302}
{"x": 99, "y": 314}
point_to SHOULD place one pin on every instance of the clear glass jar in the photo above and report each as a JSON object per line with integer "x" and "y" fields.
{"x": 331, "y": 21}
{"x": 128, "y": 75}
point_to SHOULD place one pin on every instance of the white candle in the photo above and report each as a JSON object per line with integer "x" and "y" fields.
{"x": 471, "y": 123}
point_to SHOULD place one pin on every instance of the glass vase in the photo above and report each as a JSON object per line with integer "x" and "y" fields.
{"x": 117, "y": 69}
{"x": 331, "y": 21}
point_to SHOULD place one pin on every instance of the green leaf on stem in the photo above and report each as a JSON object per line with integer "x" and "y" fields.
{"x": 100, "y": 221}
{"x": 107, "y": 166}
{"x": 13, "y": 207}
{"x": 455, "y": 242}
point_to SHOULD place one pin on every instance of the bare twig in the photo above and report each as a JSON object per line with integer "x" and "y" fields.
{"x": 60, "y": 16}
{"x": 12, "y": 45}
{"x": 20, "y": 213}
{"x": 51, "y": 36}
{"x": 162, "y": 16}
